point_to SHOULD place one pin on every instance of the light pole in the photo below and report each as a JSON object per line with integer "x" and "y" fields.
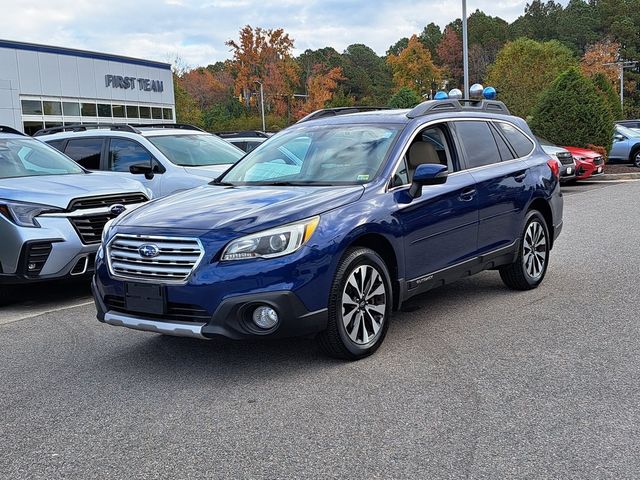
{"x": 264, "y": 128}
{"x": 465, "y": 49}
{"x": 622, "y": 65}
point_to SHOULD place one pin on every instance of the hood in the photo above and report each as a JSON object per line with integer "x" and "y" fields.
{"x": 208, "y": 171}
{"x": 239, "y": 209}
{"x": 59, "y": 190}
{"x": 583, "y": 152}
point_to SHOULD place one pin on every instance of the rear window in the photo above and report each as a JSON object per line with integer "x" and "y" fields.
{"x": 85, "y": 151}
{"x": 518, "y": 140}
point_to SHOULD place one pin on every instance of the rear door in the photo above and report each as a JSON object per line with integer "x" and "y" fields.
{"x": 87, "y": 151}
{"x": 500, "y": 179}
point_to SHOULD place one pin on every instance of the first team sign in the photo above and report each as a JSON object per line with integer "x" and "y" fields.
{"x": 144, "y": 84}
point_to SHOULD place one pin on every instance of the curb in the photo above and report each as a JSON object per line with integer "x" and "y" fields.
{"x": 612, "y": 177}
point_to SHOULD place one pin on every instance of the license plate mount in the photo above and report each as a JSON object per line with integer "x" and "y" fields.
{"x": 145, "y": 298}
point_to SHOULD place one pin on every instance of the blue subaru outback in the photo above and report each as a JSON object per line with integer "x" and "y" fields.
{"x": 333, "y": 223}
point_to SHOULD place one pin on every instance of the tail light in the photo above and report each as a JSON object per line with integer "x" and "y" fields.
{"x": 555, "y": 168}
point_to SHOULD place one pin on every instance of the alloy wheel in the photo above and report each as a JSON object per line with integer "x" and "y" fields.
{"x": 534, "y": 256}
{"x": 364, "y": 303}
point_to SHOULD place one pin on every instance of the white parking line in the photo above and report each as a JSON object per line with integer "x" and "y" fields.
{"x": 16, "y": 316}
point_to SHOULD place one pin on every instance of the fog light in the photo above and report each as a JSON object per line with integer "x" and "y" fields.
{"x": 32, "y": 266}
{"x": 265, "y": 317}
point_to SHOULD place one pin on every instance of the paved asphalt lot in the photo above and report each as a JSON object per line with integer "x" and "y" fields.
{"x": 474, "y": 381}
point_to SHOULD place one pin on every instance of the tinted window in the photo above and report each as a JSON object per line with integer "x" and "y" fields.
{"x": 52, "y": 108}
{"x": 57, "y": 144}
{"x": 88, "y": 110}
{"x": 123, "y": 153}
{"x": 71, "y": 109}
{"x": 518, "y": 140}
{"x": 505, "y": 153}
{"x": 104, "y": 110}
{"x": 478, "y": 143}
{"x": 85, "y": 151}
{"x": 31, "y": 107}
{"x": 132, "y": 111}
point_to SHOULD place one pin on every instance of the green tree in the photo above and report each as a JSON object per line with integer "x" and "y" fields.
{"x": 187, "y": 110}
{"x": 405, "y": 98}
{"x": 609, "y": 94}
{"x": 368, "y": 77}
{"x": 573, "y": 100}
{"x": 430, "y": 38}
{"x": 397, "y": 47}
{"x": 524, "y": 69}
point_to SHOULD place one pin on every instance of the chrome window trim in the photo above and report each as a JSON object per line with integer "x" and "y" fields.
{"x": 151, "y": 238}
{"x": 448, "y": 120}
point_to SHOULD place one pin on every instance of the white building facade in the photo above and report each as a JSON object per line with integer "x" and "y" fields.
{"x": 43, "y": 86}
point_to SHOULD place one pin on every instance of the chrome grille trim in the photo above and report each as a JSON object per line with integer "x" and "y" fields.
{"x": 178, "y": 257}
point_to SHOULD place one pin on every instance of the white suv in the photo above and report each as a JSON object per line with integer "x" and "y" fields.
{"x": 166, "y": 158}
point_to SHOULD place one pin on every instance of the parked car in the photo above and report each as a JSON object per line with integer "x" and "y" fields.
{"x": 167, "y": 158}
{"x": 626, "y": 145}
{"x": 52, "y": 211}
{"x": 588, "y": 163}
{"x": 564, "y": 158}
{"x": 629, "y": 123}
{"x": 381, "y": 206}
{"x": 245, "y": 141}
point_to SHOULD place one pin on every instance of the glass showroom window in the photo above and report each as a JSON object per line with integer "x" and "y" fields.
{"x": 89, "y": 110}
{"x": 132, "y": 111}
{"x": 52, "y": 108}
{"x": 118, "y": 111}
{"x": 156, "y": 113}
{"x": 71, "y": 109}
{"x": 31, "y": 107}
{"x": 167, "y": 114}
{"x": 145, "y": 112}
{"x": 104, "y": 110}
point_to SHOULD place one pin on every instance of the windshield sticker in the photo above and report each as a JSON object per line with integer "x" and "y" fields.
{"x": 362, "y": 178}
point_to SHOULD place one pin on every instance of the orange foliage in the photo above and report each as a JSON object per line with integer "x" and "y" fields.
{"x": 450, "y": 52}
{"x": 321, "y": 85}
{"x": 413, "y": 67}
{"x": 264, "y": 56}
{"x": 605, "y": 51}
{"x": 205, "y": 87}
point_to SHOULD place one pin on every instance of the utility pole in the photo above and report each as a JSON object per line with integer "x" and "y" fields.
{"x": 465, "y": 49}
{"x": 264, "y": 128}
{"x": 621, "y": 66}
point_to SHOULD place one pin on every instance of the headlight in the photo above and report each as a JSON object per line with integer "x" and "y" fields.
{"x": 272, "y": 243}
{"x": 24, "y": 214}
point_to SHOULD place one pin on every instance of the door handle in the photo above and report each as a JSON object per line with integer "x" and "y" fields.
{"x": 467, "y": 194}
{"x": 518, "y": 177}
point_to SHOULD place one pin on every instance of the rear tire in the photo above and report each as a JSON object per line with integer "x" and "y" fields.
{"x": 360, "y": 303}
{"x": 530, "y": 267}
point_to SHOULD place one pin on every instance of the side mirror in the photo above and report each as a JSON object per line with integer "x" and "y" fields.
{"x": 618, "y": 138}
{"x": 142, "y": 169}
{"x": 427, "y": 174}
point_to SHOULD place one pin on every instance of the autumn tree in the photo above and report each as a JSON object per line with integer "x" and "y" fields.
{"x": 524, "y": 69}
{"x": 264, "y": 56}
{"x": 450, "y": 53}
{"x": 321, "y": 86}
{"x": 205, "y": 87}
{"x": 413, "y": 67}
{"x": 599, "y": 58}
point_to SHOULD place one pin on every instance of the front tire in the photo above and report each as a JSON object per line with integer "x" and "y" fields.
{"x": 360, "y": 303}
{"x": 530, "y": 267}
{"x": 635, "y": 158}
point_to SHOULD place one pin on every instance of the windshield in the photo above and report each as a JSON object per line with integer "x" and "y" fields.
{"x": 320, "y": 155}
{"x": 628, "y": 132}
{"x": 24, "y": 157}
{"x": 197, "y": 150}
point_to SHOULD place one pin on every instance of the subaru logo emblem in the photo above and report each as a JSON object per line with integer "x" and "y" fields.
{"x": 117, "y": 209}
{"x": 148, "y": 250}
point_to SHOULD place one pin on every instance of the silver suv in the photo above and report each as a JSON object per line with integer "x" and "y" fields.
{"x": 52, "y": 211}
{"x": 166, "y": 158}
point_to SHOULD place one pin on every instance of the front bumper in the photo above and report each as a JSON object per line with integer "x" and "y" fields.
{"x": 588, "y": 169}
{"x": 232, "y": 318}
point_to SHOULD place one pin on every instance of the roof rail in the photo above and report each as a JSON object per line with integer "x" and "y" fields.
{"x": 78, "y": 127}
{"x": 6, "y": 129}
{"x": 243, "y": 134}
{"x": 332, "y": 112}
{"x": 463, "y": 105}
{"x": 180, "y": 126}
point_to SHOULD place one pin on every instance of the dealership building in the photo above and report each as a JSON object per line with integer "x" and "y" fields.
{"x": 44, "y": 86}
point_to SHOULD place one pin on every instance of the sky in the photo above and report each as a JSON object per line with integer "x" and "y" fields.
{"x": 196, "y": 31}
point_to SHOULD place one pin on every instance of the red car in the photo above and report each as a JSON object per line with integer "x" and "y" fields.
{"x": 588, "y": 162}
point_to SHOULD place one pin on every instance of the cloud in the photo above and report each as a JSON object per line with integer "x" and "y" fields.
{"x": 197, "y": 30}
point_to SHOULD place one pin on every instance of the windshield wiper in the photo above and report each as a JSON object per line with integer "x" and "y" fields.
{"x": 218, "y": 182}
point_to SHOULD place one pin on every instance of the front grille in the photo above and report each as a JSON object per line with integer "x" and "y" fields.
{"x": 565, "y": 158}
{"x": 176, "y": 258}
{"x": 180, "y": 312}
{"x": 90, "y": 228}
{"x": 36, "y": 255}
{"x": 107, "y": 201}
{"x": 598, "y": 160}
